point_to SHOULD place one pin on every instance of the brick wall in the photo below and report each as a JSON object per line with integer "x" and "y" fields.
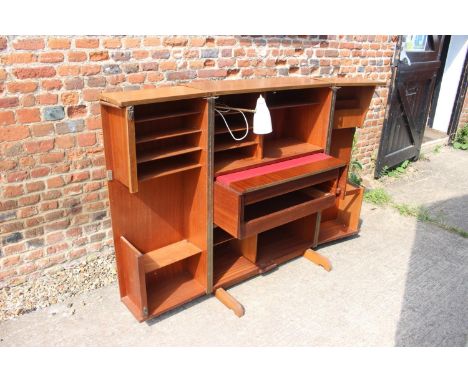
{"x": 464, "y": 113}
{"x": 54, "y": 206}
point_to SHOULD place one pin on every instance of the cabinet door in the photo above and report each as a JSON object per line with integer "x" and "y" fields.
{"x": 119, "y": 143}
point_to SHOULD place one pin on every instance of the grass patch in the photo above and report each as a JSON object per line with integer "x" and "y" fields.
{"x": 461, "y": 138}
{"x": 437, "y": 149}
{"x": 422, "y": 214}
{"x": 377, "y": 196}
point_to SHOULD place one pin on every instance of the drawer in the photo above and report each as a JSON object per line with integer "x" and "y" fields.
{"x": 256, "y": 204}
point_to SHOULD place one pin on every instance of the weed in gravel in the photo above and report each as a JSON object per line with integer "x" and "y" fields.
{"x": 377, "y": 196}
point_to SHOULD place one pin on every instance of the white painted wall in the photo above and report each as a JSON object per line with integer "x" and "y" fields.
{"x": 450, "y": 79}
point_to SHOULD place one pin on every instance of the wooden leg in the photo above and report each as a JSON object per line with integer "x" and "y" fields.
{"x": 318, "y": 259}
{"x": 230, "y": 302}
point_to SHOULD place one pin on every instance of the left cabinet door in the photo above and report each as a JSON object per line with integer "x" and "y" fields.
{"x": 119, "y": 144}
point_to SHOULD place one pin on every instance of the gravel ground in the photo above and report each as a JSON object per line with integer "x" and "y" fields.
{"x": 58, "y": 284}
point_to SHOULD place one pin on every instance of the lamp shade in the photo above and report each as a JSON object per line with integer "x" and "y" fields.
{"x": 262, "y": 118}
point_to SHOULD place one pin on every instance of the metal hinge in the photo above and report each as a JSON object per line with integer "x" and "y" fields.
{"x": 131, "y": 113}
{"x": 109, "y": 175}
{"x": 145, "y": 311}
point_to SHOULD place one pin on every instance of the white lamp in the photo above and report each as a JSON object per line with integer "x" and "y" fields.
{"x": 262, "y": 118}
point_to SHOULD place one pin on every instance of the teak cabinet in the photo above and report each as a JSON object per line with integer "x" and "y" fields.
{"x": 194, "y": 210}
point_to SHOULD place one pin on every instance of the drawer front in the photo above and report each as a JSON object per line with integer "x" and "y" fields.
{"x": 244, "y": 215}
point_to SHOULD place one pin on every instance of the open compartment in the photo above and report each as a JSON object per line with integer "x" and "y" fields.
{"x": 287, "y": 241}
{"x": 299, "y": 119}
{"x": 342, "y": 219}
{"x": 223, "y": 141}
{"x": 162, "y": 279}
{"x": 234, "y": 261}
{"x": 351, "y": 106}
{"x": 168, "y": 137}
{"x": 252, "y": 201}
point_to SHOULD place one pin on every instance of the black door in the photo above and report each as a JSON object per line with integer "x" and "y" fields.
{"x": 410, "y": 99}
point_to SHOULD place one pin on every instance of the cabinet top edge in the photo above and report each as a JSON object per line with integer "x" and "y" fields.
{"x": 207, "y": 88}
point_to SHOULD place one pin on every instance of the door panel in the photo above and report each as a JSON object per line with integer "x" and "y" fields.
{"x": 409, "y": 104}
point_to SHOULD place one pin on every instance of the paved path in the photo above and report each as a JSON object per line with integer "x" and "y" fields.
{"x": 400, "y": 282}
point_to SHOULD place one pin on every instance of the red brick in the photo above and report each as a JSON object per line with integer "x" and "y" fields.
{"x": 70, "y": 98}
{"x": 97, "y": 81}
{"x": 89, "y": 70}
{"x": 39, "y": 72}
{"x": 69, "y": 70}
{"x": 52, "y": 157}
{"x": 74, "y": 83}
{"x": 22, "y": 87}
{"x": 42, "y": 129}
{"x": 64, "y": 141}
{"x": 10, "y": 261}
{"x": 51, "y": 57}
{"x": 167, "y": 65}
{"x": 26, "y": 269}
{"x": 35, "y": 186}
{"x": 112, "y": 43}
{"x": 99, "y": 56}
{"x": 51, "y": 84}
{"x": 28, "y": 115}
{"x": 28, "y": 200}
{"x": 9, "y": 102}
{"x": 86, "y": 139}
{"x": 182, "y": 75}
{"x": 152, "y": 41}
{"x": 225, "y": 41}
{"x": 58, "y": 43}
{"x": 39, "y": 172}
{"x": 76, "y": 56}
{"x": 17, "y": 176}
{"x": 7, "y": 274}
{"x": 140, "y": 54}
{"x": 13, "y": 133}
{"x": 6, "y": 165}
{"x": 93, "y": 123}
{"x": 136, "y": 78}
{"x": 76, "y": 111}
{"x": 18, "y": 58}
{"x": 47, "y": 99}
{"x": 197, "y": 41}
{"x": 29, "y": 44}
{"x": 80, "y": 177}
{"x": 35, "y": 147}
{"x": 12, "y": 191}
{"x": 55, "y": 182}
{"x": 90, "y": 95}
{"x": 87, "y": 43}
{"x": 27, "y": 212}
{"x": 28, "y": 100}
{"x": 131, "y": 42}
{"x": 208, "y": 73}
{"x": 3, "y": 43}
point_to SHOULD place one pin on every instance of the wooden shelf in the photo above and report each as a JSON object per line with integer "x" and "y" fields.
{"x": 292, "y": 104}
{"x": 157, "y": 135}
{"x": 170, "y": 254}
{"x": 165, "y": 152}
{"x": 165, "y": 116}
{"x": 288, "y": 148}
{"x": 274, "y": 150}
{"x": 170, "y": 292}
{"x": 171, "y": 166}
{"x": 331, "y": 230}
{"x": 223, "y": 129}
{"x": 230, "y": 266}
{"x": 232, "y": 145}
{"x": 352, "y": 103}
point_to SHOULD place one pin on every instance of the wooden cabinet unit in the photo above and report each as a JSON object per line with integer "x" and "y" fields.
{"x": 194, "y": 210}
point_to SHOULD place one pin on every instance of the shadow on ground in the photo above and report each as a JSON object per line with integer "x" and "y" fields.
{"x": 435, "y": 305}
